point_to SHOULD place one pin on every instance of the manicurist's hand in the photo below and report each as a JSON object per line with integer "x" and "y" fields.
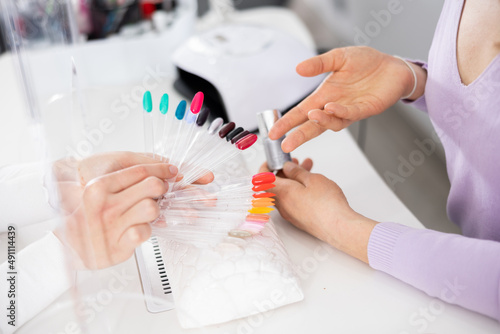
{"x": 108, "y": 201}
{"x": 362, "y": 82}
{"x": 317, "y": 205}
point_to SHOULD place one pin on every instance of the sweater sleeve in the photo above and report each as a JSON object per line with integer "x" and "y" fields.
{"x": 454, "y": 268}
{"x": 23, "y": 197}
{"x": 42, "y": 276}
{"x": 420, "y": 102}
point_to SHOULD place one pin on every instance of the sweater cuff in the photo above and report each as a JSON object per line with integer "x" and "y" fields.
{"x": 382, "y": 243}
{"x": 419, "y": 103}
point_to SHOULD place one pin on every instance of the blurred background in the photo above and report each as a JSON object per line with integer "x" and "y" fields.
{"x": 397, "y": 27}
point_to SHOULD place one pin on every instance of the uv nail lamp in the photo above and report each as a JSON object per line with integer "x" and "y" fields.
{"x": 244, "y": 69}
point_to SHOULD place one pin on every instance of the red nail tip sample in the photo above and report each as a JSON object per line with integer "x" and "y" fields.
{"x": 197, "y": 103}
{"x": 262, "y": 187}
{"x": 246, "y": 141}
{"x": 263, "y": 178}
{"x": 263, "y": 195}
{"x": 226, "y": 129}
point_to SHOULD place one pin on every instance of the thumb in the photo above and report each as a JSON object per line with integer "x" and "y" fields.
{"x": 330, "y": 61}
{"x": 296, "y": 172}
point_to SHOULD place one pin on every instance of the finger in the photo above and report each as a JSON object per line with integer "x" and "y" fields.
{"x": 296, "y": 116}
{"x": 326, "y": 120}
{"x": 123, "y": 179}
{"x": 147, "y": 210}
{"x": 263, "y": 168}
{"x": 350, "y": 112}
{"x": 283, "y": 186}
{"x": 295, "y": 161}
{"x": 302, "y": 134}
{"x": 327, "y": 62}
{"x": 307, "y": 164}
{"x": 150, "y": 188}
{"x": 205, "y": 179}
{"x": 134, "y": 236}
{"x": 296, "y": 172}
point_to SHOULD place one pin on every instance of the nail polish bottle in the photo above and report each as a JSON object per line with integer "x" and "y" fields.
{"x": 275, "y": 156}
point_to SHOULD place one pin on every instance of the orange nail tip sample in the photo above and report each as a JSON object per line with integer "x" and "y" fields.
{"x": 261, "y": 210}
{"x": 246, "y": 141}
{"x": 263, "y": 195}
{"x": 263, "y": 178}
{"x": 262, "y": 187}
{"x": 263, "y": 202}
{"x": 257, "y": 217}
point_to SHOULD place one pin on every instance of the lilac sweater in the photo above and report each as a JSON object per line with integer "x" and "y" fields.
{"x": 463, "y": 270}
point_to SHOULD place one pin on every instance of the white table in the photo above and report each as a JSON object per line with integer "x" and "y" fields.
{"x": 342, "y": 295}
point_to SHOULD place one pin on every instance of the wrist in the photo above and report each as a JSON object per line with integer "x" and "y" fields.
{"x": 352, "y": 235}
{"x": 414, "y": 80}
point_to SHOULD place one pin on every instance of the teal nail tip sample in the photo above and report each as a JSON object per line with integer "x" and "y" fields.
{"x": 164, "y": 104}
{"x": 147, "y": 101}
{"x": 181, "y": 110}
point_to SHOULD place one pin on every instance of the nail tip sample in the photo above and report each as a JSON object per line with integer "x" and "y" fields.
{"x": 246, "y": 141}
{"x": 164, "y": 104}
{"x": 197, "y": 102}
{"x": 203, "y": 116}
{"x": 233, "y": 133}
{"x": 226, "y": 129}
{"x": 181, "y": 110}
{"x": 147, "y": 101}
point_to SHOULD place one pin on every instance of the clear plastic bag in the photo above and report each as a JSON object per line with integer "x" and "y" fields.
{"x": 216, "y": 278}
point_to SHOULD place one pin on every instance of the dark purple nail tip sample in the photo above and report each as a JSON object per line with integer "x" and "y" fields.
{"x": 234, "y": 133}
{"x": 239, "y": 136}
{"x": 202, "y": 116}
{"x": 226, "y": 129}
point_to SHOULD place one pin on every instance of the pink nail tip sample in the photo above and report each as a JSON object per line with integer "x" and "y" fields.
{"x": 197, "y": 103}
{"x": 246, "y": 141}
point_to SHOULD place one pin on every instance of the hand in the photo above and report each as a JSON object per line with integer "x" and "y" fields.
{"x": 109, "y": 199}
{"x": 364, "y": 82}
{"x": 72, "y": 175}
{"x": 317, "y": 205}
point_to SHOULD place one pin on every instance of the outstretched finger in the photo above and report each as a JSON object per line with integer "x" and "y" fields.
{"x": 125, "y": 178}
{"x": 302, "y": 134}
{"x": 327, "y": 62}
{"x": 296, "y": 116}
{"x": 328, "y": 121}
{"x": 353, "y": 112}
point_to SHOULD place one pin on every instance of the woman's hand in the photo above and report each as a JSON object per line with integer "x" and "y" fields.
{"x": 363, "y": 82}
{"x": 317, "y": 205}
{"x": 108, "y": 200}
{"x": 113, "y": 217}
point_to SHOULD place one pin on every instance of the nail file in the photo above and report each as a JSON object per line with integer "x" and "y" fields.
{"x": 155, "y": 283}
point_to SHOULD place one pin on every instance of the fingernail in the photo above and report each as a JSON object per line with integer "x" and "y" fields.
{"x": 309, "y": 116}
{"x": 328, "y": 111}
{"x": 173, "y": 170}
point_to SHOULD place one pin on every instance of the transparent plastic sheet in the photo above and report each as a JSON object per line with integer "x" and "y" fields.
{"x": 216, "y": 278}
{"x": 79, "y": 104}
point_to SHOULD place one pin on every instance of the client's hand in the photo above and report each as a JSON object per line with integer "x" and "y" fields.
{"x": 317, "y": 205}
{"x": 363, "y": 82}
